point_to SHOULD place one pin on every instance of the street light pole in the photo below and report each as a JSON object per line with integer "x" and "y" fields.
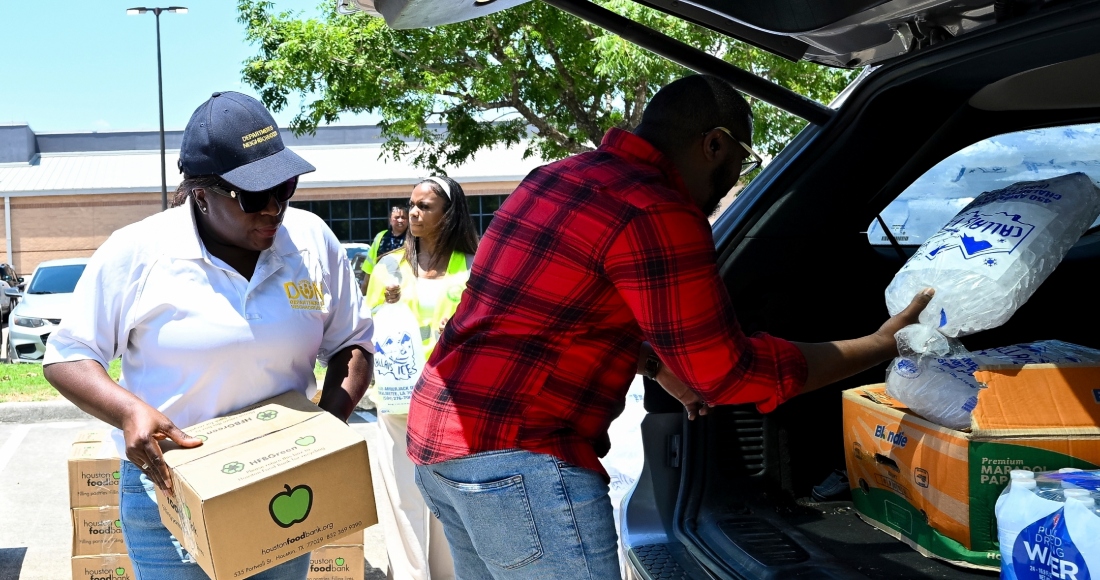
{"x": 160, "y": 94}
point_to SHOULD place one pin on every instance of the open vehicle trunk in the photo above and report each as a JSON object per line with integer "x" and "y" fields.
{"x": 797, "y": 262}
{"x": 725, "y": 496}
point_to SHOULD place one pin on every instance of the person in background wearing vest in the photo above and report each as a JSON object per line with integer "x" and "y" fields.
{"x": 386, "y": 241}
{"x": 429, "y": 276}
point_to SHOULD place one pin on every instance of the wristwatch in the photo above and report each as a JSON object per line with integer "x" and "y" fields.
{"x": 652, "y": 367}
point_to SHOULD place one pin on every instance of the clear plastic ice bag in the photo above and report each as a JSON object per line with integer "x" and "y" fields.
{"x": 943, "y": 389}
{"x": 989, "y": 259}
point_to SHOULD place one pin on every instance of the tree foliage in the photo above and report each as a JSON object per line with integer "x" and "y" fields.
{"x": 493, "y": 80}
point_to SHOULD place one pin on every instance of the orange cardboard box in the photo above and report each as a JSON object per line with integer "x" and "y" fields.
{"x": 935, "y": 488}
{"x": 269, "y": 483}
{"x": 93, "y": 471}
{"x": 97, "y": 531}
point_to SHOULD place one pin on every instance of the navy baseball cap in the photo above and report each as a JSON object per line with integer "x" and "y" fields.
{"x": 234, "y": 137}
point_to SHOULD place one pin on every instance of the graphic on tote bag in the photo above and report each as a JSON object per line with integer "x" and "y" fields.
{"x": 395, "y": 356}
{"x": 399, "y": 357}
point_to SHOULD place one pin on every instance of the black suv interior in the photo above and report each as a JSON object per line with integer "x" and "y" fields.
{"x": 726, "y": 496}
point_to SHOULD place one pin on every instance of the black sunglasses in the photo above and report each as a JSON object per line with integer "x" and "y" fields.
{"x": 254, "y": 201}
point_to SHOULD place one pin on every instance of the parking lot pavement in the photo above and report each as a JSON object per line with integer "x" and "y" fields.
{"x": 35, "y": 528}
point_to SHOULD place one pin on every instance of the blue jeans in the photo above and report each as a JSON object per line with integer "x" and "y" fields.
{"x": 155, "y": 553}
{"x": 513, "y": 514}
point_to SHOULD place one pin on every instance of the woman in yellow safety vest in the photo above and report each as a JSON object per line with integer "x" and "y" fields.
{"x": 428, "y": 275}
{"x": 386, "y": 241}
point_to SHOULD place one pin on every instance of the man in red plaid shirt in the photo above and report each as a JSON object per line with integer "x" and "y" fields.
{"x": 589, "y": 262}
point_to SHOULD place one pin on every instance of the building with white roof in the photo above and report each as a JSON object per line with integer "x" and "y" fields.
{"x": 64, "y": 193}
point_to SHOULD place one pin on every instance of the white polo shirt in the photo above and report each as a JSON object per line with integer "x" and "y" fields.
{"x": 197, "y": 339}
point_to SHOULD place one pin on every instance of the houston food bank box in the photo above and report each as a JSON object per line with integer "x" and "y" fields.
{"x": 93, "y": 470}
{"x": 935, "y": 488}
{"x": 269, "y": 483}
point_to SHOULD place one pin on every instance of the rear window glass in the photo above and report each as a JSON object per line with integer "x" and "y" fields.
{"x": 56, "y": 279}
{"x": 935, "y": 197}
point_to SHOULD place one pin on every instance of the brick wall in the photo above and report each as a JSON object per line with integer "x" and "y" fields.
{"x": 73, "y": 226}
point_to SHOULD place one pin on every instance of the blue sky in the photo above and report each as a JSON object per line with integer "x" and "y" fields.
{"x": 88, "y": 66}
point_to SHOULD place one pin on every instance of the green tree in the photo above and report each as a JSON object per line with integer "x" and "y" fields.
{"x": 490, "y": 79}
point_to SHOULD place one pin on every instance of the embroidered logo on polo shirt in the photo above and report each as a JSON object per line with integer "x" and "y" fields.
{"x": 304, "y": 295}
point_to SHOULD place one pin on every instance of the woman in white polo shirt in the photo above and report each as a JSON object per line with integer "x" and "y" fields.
{"x": 226, "y": 300}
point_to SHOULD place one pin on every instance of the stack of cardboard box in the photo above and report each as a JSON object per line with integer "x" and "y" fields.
{"x": 295, "y": 477}
{"x": 291, "y": 474}
{"x": 98, "y": 551}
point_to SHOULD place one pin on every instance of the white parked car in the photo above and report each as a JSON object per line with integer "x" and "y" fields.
{"x": 39, "y": 309}
{"x": 356, "y": 254}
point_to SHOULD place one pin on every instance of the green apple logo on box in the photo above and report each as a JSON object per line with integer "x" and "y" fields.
{"x": 116, "y": 475}
{"x": 118, "y": 524}
{"x": 120, "y": 571}
{"x": 339, "y": 561}
{"x": 267, "y": 415}
{"x": 291, "y": 506}
{"x": 307, "y": 440}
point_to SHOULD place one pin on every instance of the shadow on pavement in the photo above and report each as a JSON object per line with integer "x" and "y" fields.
{"x": 11, "y": 563}
{"x": 368, "y": 574}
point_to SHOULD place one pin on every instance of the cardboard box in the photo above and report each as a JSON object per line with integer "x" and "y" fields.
{"x": 93, "y": 471}
{"x": 270, "y": 483}
{"x": 97, "y": 531}
{"x": 353, "y": 539}
{"x": 337, "y": 562}
{"x": 935, "y": 488}
{"x": 103, "y": 567}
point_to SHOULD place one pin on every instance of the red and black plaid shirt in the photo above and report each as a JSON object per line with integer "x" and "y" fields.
{"x": 587, "y": 258}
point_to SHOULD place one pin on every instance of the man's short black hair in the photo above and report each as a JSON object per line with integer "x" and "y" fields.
{"x": 686, "y": 108}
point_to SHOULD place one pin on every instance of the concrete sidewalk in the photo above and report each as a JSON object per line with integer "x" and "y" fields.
{"x": 35, "y": 526}
{"x": 39, "y": 412}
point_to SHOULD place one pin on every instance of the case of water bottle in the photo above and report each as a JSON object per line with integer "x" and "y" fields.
{"x": 935, "y": 488}
{"x": 1048, "y": 525}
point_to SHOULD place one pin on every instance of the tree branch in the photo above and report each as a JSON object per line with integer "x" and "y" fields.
{"x": 638, "y": 105}
{"x": 585, "y": 121}
{"x": 545, "y": 129}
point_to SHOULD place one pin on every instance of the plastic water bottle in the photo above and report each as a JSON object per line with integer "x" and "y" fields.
{"x": 1053, "y": 492}
{"x": 1086, "y": 500}
{"x": 989, "y": 259}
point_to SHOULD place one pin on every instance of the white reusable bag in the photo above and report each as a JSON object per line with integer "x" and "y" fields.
{"x": 398, "y": 357}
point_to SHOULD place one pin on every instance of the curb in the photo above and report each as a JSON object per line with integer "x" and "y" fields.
{"x": 43, "y": 411}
